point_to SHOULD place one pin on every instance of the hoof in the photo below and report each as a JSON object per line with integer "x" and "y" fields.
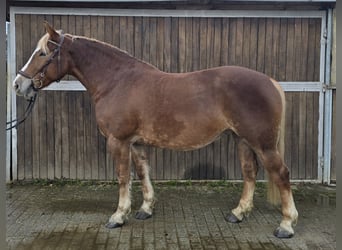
{"x": 282, "y": 233}
{"x": 111, "y": 225}
{"x": 232, "y": 218}
{"x": 141, "y": 215}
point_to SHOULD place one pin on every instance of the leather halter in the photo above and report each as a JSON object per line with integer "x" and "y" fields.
{"x": 41, "y": 72}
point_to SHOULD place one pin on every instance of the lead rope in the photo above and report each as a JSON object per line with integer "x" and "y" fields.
{"x": 26, "y": 114}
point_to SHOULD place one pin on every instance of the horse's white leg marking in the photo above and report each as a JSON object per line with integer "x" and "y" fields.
{"x": 246, "y": 202}
{"x": 147, "y": 190}
{"x": 124, "y": 206}
{"x": 289, "y": 211}
{"x": 142, "y": 168}
{"x": 122, "y": 155}
{"x": 249, "y": 171}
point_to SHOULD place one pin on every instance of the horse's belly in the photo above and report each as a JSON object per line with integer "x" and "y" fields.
{"x": 186, "y": 140}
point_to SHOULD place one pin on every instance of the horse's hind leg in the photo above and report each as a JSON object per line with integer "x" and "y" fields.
{"x": 249, "y": 171}
{"x": 142, "y": 168}
{"x": 279, "y": 175}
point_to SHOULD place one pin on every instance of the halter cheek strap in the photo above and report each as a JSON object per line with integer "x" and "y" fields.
{"x": 43, "y": 69}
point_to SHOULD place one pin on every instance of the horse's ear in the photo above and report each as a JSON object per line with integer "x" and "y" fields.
{"x": 52, "y": 32}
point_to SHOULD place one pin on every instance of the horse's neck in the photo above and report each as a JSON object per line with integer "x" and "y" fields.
{"x": 100, "y": 66}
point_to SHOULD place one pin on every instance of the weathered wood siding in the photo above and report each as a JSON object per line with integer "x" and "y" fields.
{"x": 60, "y": 139}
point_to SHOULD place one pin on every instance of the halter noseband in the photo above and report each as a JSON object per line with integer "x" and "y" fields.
{"x": 43, "y": 69}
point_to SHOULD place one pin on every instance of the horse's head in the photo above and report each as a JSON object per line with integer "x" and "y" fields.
{"x": 48, "y": 63}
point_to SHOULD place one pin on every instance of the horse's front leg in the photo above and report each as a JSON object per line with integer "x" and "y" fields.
{"x": 142, "y": 168}
{"x": 249, "y": 171}
{"x": 122, "y": 155}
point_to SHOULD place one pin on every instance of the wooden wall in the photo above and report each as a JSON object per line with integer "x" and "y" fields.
{"x": 61, "y": 140}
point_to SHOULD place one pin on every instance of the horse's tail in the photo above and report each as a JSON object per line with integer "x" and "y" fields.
{"x": 273, "y": 195}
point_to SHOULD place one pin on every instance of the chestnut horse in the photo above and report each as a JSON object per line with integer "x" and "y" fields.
{"x": 137, "y": 103}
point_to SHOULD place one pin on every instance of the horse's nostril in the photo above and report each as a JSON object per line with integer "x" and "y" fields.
{"x": 16, "y": 86}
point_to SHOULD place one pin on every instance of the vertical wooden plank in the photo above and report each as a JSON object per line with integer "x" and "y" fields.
{"x": 71, "y": 112}
{"x": 174, "y": 165}
{"x": 308, "y": 137}
{"x": 231, "y": 158}
{"x": 203, "y": 43}
{"x": 239, "y": 42}
{"x": 87, "y": 138}
{"x": 333, "y": 141}
{"x": 232, "y": 41}
{"x": 317, "y": 50}
{"x": 123, "y": 33}
{"x": 288, "y": 131}
{"x": 167, "y": 164}
{"x": 224, "y": 155}
{"x": 304, "y": 49}
{"x": 138, "y": 37}
{"x": 58, "y": 134}
{"x": 268, "y": 47}
{"x": 50, "y": 134}
{"x": 153, "y": 41}
{"x": 167, "y": 44}
{"x": 275, "y": 48}
{"x": 210, "y": 43}
{"x": 180, "y": 165}
{"x": 315, "y": 132}
{"x": 302, "y": 135}
{"x": 210, "y": 161}
{"x": 174, "y": 44}
{"x": 188, "y": 45}
{"x": 282, "y": 50}
{"x": 225, "y": 41}
{"x": 253, "y": 47}
{"x": 218, "y": 168}
{"x": 160, "y": 43}
{"x": 246, "y": 41}
{"x": 311, "y": 50}
{"x": 64, "y": 105}
{"x": 298, "y": 51}
{"x": 146, "y": 39}
{"x": 217, "y": 50}
{"x": 42, "y": 106}
{"x": 130, "y": 35}
{"x": 195, "y": 41}
{"x": 116, "y": 31}
{"x": 181, "y": 45}
{"x": 108, "y": 29}
{"x": 295, "y": 135}
{"x": 261, "y": 45}
{"x": 290, "y": 53}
